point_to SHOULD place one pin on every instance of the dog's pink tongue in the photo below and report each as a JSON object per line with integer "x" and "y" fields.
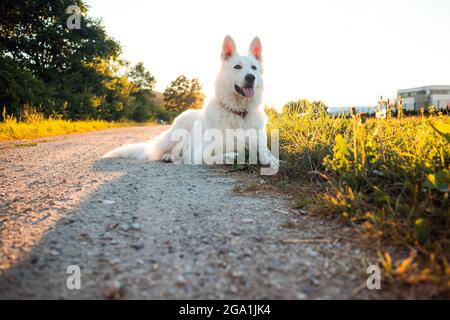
{"x": 248, "y": 91}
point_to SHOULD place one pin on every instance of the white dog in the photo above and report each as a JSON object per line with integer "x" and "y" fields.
{"x": 235, "y": 106}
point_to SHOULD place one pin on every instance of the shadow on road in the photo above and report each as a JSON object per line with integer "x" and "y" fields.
{"x": 178, "y": 231}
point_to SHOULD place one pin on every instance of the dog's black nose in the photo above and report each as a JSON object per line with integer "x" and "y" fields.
{"x": 250, "y": 78}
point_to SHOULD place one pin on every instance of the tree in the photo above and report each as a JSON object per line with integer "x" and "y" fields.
{"x": 141, "y": 78}
{"x": 304, "y": 106}
{"x": 144, "y": 108}
{"x": 35, "y": 34}
{"x": 319, "y": 106}
{"x": 183, "y": 94}
{"x": 19, "y": 88}
{"x": 71, "y": 72}
{"x": 299, "y": 106}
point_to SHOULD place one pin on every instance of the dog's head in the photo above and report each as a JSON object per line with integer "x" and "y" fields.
{"x": 241, "y": 75}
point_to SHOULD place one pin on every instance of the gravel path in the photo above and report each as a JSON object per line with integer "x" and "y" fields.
{"x": 157, "y": 230}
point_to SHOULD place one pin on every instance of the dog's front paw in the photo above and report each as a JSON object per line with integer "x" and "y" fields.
{"x": 271, "y": 167}
{"x": 274, "y": 162}
{"x": 166, "y": 158}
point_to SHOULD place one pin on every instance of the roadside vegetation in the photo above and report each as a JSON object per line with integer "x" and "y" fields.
{"x": 35, "y": 125}
{"x": 390, "y": 178}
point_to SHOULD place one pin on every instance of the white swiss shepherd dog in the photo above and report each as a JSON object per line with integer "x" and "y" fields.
{"x": 236, "y": 110}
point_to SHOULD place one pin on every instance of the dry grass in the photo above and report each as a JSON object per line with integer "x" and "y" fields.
{"x": 390, "y": 178}
{"x": 35, "y": 126}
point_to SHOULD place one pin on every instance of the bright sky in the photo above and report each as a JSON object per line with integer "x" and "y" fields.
{"x": 344, "y": 52}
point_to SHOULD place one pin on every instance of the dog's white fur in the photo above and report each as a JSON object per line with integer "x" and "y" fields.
{"x": 222, "y": 112}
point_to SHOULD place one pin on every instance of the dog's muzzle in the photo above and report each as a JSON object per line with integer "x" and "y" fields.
{"x": 247, "y": 91}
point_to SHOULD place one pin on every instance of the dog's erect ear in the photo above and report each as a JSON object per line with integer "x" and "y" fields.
{"x": 255, "y": 48}
{"x": 228, "y": 48}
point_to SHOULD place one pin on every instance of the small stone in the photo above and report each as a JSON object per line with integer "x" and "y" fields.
{"x": 236, "y": 232}
{"x": 137, "y": 246}
{"x": 311, "y": 252}
{"x": 69, "y": 221}
{"x": 124, "y": 227}
{"x": 237, "y": 274}
{"x": 248, "y": 221}
{"x": 54, "y": 252}
{"x": 115, "y": 260}
{"x": 34, "y": 259}
{"x": 136, "y": 226}
{"x": 108, "y": 201}
{"x": 302, "y": 211}
{"x": 4, "y": 265}
{"x": 113, "y": 290}
{"x": 111, "y": 226}
{"x": 301, "y": 296}
{"x": 181, "y": 281}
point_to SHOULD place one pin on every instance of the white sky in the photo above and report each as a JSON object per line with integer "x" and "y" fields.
{"x": 343, "y": 52}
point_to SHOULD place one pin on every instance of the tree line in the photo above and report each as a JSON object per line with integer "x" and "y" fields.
{"x": 77, "y": 73}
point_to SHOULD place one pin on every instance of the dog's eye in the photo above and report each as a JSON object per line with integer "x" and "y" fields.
{"x": 237, "y": 67}
{"x": 254, "y": 68}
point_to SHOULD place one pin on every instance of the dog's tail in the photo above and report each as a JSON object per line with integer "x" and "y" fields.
{"x": 155, "y": 149}
{"x": 152, "y": 150}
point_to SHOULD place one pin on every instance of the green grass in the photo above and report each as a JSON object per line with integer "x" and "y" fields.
{"x": 36, "y": 126}
{"x": 390, "y": 178}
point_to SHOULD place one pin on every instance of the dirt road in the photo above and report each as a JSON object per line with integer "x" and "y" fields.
{"x": 157, "y": 230}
